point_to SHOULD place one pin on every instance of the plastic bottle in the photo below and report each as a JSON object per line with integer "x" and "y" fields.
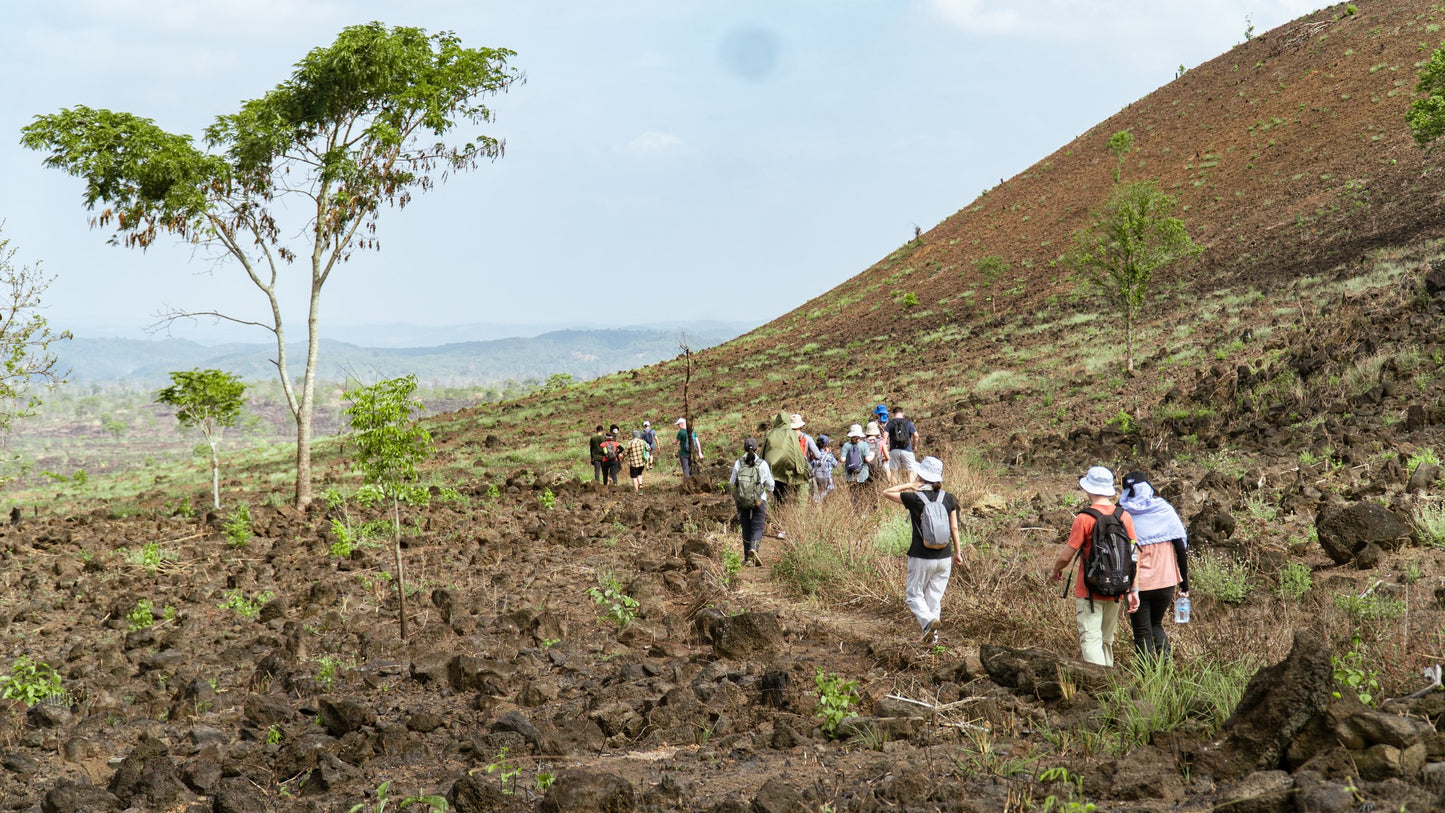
{"x": 1181, "y": 610}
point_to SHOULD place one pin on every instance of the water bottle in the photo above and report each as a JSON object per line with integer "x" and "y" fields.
{"x": 1181, "y": 610}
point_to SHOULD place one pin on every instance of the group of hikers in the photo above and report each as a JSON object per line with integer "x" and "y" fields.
{"x": 1130, "y": 554}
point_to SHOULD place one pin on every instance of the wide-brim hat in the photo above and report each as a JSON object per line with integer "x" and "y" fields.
{"x": 873, "y": 431}
{"x": 930, "y": 469}
{"x": 681, "y": 423}
{"x": 1099, "y": 481}
{"x": 855, "y": 431}
{"x": 796, "y": 421}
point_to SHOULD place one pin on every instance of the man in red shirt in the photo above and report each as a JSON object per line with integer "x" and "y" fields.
{"x": 1096, "y": 616}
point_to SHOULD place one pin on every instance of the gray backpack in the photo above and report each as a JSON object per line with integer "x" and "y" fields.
{"x": 937, "y": 533}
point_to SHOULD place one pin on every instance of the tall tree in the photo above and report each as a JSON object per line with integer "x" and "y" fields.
{"x": 389, "y": 445}
{"x": 1426, "y": 116}
{"x": 26, "y": 359}
{"x": 361, "y": 124}
{"x": 209, "y": 400}
{"x": 1132, "y": 235}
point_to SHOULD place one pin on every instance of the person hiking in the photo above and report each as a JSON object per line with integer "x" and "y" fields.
{"x": 649, "y": 435}
{"x": 616, "y": 433}
{"x": 635, "y": 454}
{"x": 875, "y": 441}
{"x": 934, "y": 550}
{"x": 823, "y": 466}
{"x": 787, "y": 457}
{"x": 902, "y": 437}
{"x": 611, "y": 458}
{"x": 687, "y": 452}
{"x": 1163, "y": 561}
{"x": 599, "y": 469}
{"x": 750, "y": 483}
{"x": 1096, "y": 614}
{"x": 856, "y": 455}
{"x": 879, "y": 414}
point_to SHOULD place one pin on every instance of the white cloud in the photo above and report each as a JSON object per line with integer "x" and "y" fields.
{"x": 653, "y": 141}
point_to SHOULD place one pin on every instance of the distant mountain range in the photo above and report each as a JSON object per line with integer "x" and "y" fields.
{"x": 583, "y": 353}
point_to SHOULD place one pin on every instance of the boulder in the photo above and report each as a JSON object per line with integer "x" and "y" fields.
{"x": 1278, "y": 703}
{"x": 75, "y": 797}
{"x": 476, "y": 794}
{"x": 147, "y": 777}
{"x": 1423, "y": 477}
{"x": 341, "y": 717}
{"x": 1345, "y": 532}
{"x": 585, "y": 791}
{"x": 742, "y": 636}
{"x": 1212, "y": 526}
{"x": 1259, "y": 792}
{"x": 1038, "y": 672}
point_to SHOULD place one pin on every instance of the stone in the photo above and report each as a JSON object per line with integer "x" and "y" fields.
{"x": 147, "y": 777}
{"x": 1346, "y": 531}
{"x": 1211, "y": 527}
{"x": 75, "y": 797}
{"x": 237, "y": 795}
{"x": 585, "y": 791}
{"x": 1038, "y": 672}
{"x": 777, "y": 795}
{"x": 1259, "y": 792}
{"x": 515, "y": 722}
{"x": 740, "y": 637}
{"x": 341, "y": 717}
{"x": 1278, "y": 703}
{"x": 1423, "y": 477}
{"x": 476, "y": 794}
{"x": 1147, "y": 773}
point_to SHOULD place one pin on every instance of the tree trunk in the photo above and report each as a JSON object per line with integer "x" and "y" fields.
{"x": 306, "y": 403}
{"x": 215, "y": 476}
{"x": 1129, "y": 341}
{"x": 400, "y": 574}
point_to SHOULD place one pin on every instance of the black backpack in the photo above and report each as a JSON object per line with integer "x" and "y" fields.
{"x": 898, "y": 434}
{"x": 1109, "y": 563}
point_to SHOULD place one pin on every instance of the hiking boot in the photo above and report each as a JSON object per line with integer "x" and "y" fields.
{"x": 930, "y": 631}
{"x": 782, "y": 534}
{"x": 753, "y": 558}
{"x": 935, "y": 637}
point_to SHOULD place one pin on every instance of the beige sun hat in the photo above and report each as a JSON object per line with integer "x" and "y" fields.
{"x": 855, "y": 431}
{"x": 796, "y": 421}
{"x": 873, "y": 429}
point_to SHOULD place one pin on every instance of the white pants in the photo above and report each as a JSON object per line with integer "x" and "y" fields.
{"x": 927, "y": 580}
{"x": 1096, "y": 629}
{"x": 902, "y": 460}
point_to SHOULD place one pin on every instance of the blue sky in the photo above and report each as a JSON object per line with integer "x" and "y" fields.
{"x": 666, "y": 160}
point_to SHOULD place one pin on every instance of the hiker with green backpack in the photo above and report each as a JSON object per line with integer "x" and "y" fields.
{"x": 933, "y": 515}
{"x": 751, "y": 482}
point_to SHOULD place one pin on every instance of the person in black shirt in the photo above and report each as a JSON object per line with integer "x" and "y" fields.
{"x": 933, "y": 514}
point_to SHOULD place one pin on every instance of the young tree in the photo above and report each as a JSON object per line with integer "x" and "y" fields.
{"x": 1132, "y": 236}
{"x": 1426, "y": 116}
{"x": 1120, "y": 145}
{"x": 361, "y": 124}
{"x": 209, "y": 400}
{"x": 25, "y": 338}
{"x": 389, "y": 445}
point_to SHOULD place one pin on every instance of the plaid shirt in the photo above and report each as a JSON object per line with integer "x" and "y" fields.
{"x": 635, "y": 453}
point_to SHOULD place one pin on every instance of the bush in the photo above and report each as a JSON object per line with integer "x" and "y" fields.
{"x": 30, "y": 682}
{"x": 836, "y": 700}
{"x": 1220, "y": 577}
{"x": 1295, "y": 579}
{"x": 1162, "y": 694}
{"x": 1430, "y": 520}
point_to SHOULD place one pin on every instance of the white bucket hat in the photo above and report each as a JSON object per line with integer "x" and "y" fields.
{"x": 1098, "y": 482}
{"x": 682, "y": 423}
{"x": 796, "y": 421}
{"x": 855, "y": 431}
{"x": 930, "y": 469}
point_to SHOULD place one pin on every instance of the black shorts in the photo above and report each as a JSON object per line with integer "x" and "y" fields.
{"x": 636, "y": 471}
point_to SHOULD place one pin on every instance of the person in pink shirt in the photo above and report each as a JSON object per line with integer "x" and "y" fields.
{"x": 1163, "y": 562}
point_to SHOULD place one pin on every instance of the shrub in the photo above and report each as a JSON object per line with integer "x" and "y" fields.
{"x": 1430, "y": 520}
{"x": 1295, "y": 579}
{"x": 621, "y": 608}
{"x": 836, "y": 700}
{"x": 237, "y": 527}
{"x": 1220, "y": 577}
{"x": 30, "y": 682}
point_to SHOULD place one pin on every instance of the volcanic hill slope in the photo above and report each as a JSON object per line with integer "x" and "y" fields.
{"x": 1289, "y": 381}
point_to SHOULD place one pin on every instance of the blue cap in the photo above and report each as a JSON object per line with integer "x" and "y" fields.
{"x": 881, "y": 409}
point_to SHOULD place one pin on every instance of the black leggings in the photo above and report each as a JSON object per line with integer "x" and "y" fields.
{"x": 1148, "y": 621}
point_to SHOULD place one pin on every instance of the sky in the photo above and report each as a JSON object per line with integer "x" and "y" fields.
{"x": 666, "y": 160}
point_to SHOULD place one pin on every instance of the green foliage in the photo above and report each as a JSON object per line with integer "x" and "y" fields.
{"x": 910, "y": 300}
{"x": 1220, "y": 577}
{"x": 1295, "y": 579}
{"x": 1120, "y": 145}
{"x": 245, "y": 606}
{"x": 26, "y": 359}
{"x": 505, "y": 771}
{"x": 836, "y": 700}
{"x": 621, "y": 608}
{"x": 545, "y": 780}
{"x": 1125, "y": 422}
{"x": 30, "y": 682}
{"x": 991, "y": 267}
{"x": 143, "y": 616}
{"x": 1131, "y": 236}
{"x": 1424, "y": 454}
{"x": 547, "y": 500}
{"x": 1426, "y": 117}
{"x": 237, "y": 526}
{"x": 150, "y": 557}
{"x": 435, "y": 803}
{"x": 1074, "y": 802}
{"x": 275, "y": 734}
{"x": 326, "y": 668}
{"x": 732, "y": 565}
{"x": 1354, "y": 673}
{"x": 1369, "y": 607}
{"x": 1156, "y": 695}
{"x": 209, "y": 400}
{"x": 559, "y": 381}
{"x": 493, "y": 492}
{"x": 389, "y": 442}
